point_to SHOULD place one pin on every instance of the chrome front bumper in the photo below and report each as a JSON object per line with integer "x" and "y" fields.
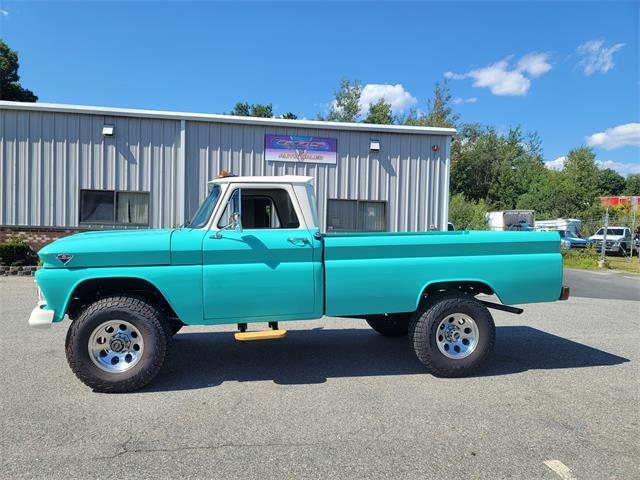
{"x": 41, "y": 318}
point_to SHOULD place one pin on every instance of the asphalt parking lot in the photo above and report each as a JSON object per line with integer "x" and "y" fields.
{"x": 336, "y": 400}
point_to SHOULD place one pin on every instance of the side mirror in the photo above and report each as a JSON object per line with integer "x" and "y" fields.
{"x": 235, "y": 223}
{"x": 235, "y": 218}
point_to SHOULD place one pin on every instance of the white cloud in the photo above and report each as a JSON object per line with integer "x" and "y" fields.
{"x": 395, "y": 95}
{"x": 454, "y": 76}
{"x": 556, "y": 164}
{"x": 596, "y": 57}
{"x": 616, "y": 137}
{"x": 459, "y": 100}
{"x": 503, "y": 79}
{"x": 535, "y": 64}
{"x": 3, "y": 13}
{"x": 621, "y": 167}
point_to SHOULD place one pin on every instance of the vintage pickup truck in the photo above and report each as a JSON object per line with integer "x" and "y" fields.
{"x": 253, "y": 253}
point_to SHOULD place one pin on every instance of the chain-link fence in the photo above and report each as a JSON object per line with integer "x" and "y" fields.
{"x": 620, "y": 238}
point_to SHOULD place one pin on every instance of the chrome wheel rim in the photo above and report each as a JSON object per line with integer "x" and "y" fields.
{"x": 116, "y": 346}
{"x": 457, "y": 336}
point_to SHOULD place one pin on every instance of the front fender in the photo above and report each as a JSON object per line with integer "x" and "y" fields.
{"x": 181, "y": 285}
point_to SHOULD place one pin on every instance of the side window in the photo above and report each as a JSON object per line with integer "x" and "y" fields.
{"x": 262, "y": 208}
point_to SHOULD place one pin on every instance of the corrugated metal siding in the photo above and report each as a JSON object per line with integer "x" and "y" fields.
{"x": 406, "y": 172}
{"x": 46, "y": 158}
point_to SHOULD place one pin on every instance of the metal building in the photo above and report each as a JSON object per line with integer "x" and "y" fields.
{"x": 67, "y": 166}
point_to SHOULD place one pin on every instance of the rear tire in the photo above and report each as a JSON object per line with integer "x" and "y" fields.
{"x": 452, "y": 335}
{"x": 117, "y": 344}
{"x": 394, "y": 325}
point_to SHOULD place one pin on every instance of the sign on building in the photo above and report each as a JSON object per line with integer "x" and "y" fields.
{"x": 291, "y": 148}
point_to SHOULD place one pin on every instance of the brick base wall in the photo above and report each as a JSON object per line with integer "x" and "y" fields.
{"x": 36, "y": 237}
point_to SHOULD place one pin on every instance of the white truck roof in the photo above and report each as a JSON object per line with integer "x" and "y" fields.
{"x": 293, "y": 179}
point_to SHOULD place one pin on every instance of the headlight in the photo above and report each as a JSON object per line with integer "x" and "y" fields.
{"x": 565, "y": 244}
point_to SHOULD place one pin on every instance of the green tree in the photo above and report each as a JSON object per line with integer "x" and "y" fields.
{"x": 633, "y": 184}
{"x": 380, "y": 113}
{"x": 264, "y": 111}
{"x": 546, "y": 195}
{"x": 466, "y": 214}
{"x": 474, "y": 161}
{"x": 440, "y": 113}
{"x": 610, "y": 182}
{"x": 243, "y": 109}
{"x": 581, "y": 182}
{"x": 346, "y": 105}
{"x": 290, "y": 116}
{"x": 10, "y": 88}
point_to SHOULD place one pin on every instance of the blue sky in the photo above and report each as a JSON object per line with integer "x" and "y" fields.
{"x": 568, "y": 70}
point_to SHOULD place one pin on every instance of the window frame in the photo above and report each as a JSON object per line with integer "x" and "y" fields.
{"x": 358, "y": 202}
{"x": 231, "y": 188}
{"x": 115, "y": 207}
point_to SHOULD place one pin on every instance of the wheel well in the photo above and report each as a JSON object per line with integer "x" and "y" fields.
{"x": 468, "y": 287}
{"x": 89, "y": 291}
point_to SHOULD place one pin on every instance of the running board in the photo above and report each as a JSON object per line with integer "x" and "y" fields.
{"x": 259, "y": 335}
{"x": 504, "y": 308}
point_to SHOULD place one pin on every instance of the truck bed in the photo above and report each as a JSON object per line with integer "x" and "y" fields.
{"x": 369, "y": 273}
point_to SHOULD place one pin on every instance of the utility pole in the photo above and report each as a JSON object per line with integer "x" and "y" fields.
{"x": 604, "y": 239}
{"x": 633, "y": 229}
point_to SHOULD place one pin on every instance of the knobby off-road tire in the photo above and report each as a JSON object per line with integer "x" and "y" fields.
{"x": 439, "y": 328}
{"x": 393, "y": 325}
{"x": 126, "y": 327}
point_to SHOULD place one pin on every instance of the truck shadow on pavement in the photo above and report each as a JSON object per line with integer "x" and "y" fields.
{"x": 202, "y": 360}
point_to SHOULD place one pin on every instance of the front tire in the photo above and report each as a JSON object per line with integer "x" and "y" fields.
{"x": 394, "y": 325}
{"x": 117, "y": 344}
{"x": 452, "y": 335}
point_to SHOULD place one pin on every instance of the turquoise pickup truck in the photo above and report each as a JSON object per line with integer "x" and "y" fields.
{"x": 253, "y": 254}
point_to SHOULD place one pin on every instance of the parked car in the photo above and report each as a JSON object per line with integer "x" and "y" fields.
{"x": 253, "y": 253}
{"x": 570, "y": 240}
{"x": 618, "y": 239}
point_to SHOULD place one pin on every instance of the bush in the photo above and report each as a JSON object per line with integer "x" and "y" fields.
{"x": 17, "y": 252}
{"x": 467, "y": 214}
{"x": 585, "y": 259}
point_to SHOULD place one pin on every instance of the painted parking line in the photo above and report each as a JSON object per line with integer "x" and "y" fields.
{"x": 560, "y": 469}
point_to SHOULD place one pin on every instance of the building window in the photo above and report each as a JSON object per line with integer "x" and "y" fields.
{"x": 110, "y": 207}
{"x": 356, "y": 216}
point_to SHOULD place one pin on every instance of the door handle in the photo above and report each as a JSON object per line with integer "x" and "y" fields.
{"x": 302, "y": 240}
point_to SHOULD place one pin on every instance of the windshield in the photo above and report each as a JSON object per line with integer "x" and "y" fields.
{"x": 201, "y": 217}
{"x": 611, "y": 231}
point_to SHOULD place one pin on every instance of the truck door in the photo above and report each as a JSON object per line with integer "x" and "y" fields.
{"x": 264, "y": 269}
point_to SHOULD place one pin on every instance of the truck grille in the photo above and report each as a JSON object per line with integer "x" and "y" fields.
{"x": 609, "y": 243}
